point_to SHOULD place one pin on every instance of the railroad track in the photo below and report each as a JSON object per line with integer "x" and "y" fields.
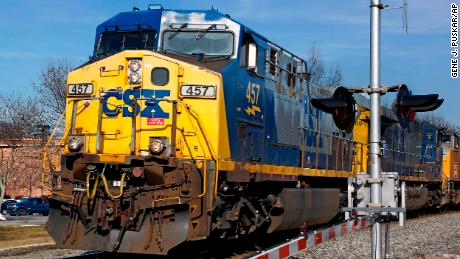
{"x": 90, "y": 254}
{"x": 277, "y": 244}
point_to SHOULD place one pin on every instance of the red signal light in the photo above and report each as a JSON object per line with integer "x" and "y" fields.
{"x": 407, "y": 105}
{"x": 412, "y": 116}
{"x": 341, "y": 106}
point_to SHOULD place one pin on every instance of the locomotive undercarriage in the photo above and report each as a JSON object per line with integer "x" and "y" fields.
{"x": 452, "y": 193}
{"x": 151, "y": 205}
{"x": 162, "y": 204}
{"x": 244, "y": 205}
{"x": 422, "y": 195}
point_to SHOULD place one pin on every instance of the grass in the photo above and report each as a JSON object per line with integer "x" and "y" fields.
{"x": 12, "y": 236}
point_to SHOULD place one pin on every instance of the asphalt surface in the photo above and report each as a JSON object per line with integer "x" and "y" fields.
{"x": 28, "y": 220}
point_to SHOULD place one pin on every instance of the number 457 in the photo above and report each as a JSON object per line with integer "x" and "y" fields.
{"x": 252, "y": 93}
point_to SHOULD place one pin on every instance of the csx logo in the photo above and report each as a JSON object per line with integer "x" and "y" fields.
{"x": 150, "y": 111}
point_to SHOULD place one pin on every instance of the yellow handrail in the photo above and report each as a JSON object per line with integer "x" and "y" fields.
{"x": 192, "y": 113}
{"x": 45, "y": 151}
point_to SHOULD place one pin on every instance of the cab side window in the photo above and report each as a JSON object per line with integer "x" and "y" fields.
{"x": 249, "y": 51}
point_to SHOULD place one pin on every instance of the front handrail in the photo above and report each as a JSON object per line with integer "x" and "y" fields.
{"x": 46, "y": 156}
{"x": 133, "y": 119}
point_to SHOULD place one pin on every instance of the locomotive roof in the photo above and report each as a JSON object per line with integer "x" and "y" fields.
{"x": 153, "y": 18}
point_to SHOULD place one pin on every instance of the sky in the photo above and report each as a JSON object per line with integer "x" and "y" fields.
{"x": 34, "y": 32}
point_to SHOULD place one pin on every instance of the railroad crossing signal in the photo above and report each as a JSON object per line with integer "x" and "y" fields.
{"x": 407, "y": 105}
{"x": 341, "y": 106}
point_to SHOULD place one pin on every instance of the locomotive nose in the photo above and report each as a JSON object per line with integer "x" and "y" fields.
{"x": 128, "y": 107}
{"x": 138, "y": 156}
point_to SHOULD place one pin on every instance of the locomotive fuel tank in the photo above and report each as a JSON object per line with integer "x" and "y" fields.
{"x": 310, "y": 205}
{"x": 416, "y": 198}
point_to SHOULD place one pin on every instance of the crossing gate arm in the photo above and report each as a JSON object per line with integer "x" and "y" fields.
{"x": 301, "y": 243}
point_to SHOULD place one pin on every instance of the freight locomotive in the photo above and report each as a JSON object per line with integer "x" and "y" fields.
{"x": 188, "y": 125}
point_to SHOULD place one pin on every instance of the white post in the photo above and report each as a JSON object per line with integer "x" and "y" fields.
{"x": 402, "y": 215}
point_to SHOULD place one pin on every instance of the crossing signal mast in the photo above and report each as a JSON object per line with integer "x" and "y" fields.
{"x": 341, "y": 106}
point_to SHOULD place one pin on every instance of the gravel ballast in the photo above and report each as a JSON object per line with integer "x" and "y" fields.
{"x": 433, "y": 236}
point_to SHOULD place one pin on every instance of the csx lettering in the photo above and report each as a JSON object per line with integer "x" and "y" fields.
{"x": 150, "y": 111}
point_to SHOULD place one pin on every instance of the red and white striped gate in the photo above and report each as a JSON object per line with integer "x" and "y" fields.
{"x": 313, "y": 238}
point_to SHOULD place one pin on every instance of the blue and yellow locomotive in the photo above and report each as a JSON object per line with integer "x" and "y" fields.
{"x": 188, "y": 125}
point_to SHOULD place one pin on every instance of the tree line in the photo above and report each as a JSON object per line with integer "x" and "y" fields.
{"x": 25, "y": 123}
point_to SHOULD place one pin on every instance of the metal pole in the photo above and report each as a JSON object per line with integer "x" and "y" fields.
{"x": 374, "y": 131}
{"x": 387, "y": 240}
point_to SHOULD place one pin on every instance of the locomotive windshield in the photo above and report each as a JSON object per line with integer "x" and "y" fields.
{"x": 116, "y": 41}
{"x": 207, "y": 43}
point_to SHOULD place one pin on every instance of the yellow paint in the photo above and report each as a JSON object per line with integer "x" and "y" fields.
{"x": 361, "y": 138}
{"x": 201, "y": 123}
{"x": 450, "y": 167}
{"x": 232, "y": 166}
{"x": 109, "y": 158}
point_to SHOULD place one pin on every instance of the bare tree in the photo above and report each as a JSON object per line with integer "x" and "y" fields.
{"x": 437, "y": 121}
{"x": 334, "y": 76}
{"x": 315, "y": 65}
{"x": 19, "y": 118}
{"x": 318, "y": 74}
{"x": 51, "y": 88}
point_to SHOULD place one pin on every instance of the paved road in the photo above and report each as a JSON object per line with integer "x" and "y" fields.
{"x": 24, "y": 220}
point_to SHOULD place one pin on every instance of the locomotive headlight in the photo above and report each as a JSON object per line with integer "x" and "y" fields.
{"x": 156, "y": 146}
{"x": 134, "y": 65}
{"x": 75, "y": 144}
{"x": 134, "y": 78}
{"x": 134, "y": 71}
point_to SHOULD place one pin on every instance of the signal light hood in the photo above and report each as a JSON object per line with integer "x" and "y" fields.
{"x": 407, "y": 105}
{"x": 341, "y": 106}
